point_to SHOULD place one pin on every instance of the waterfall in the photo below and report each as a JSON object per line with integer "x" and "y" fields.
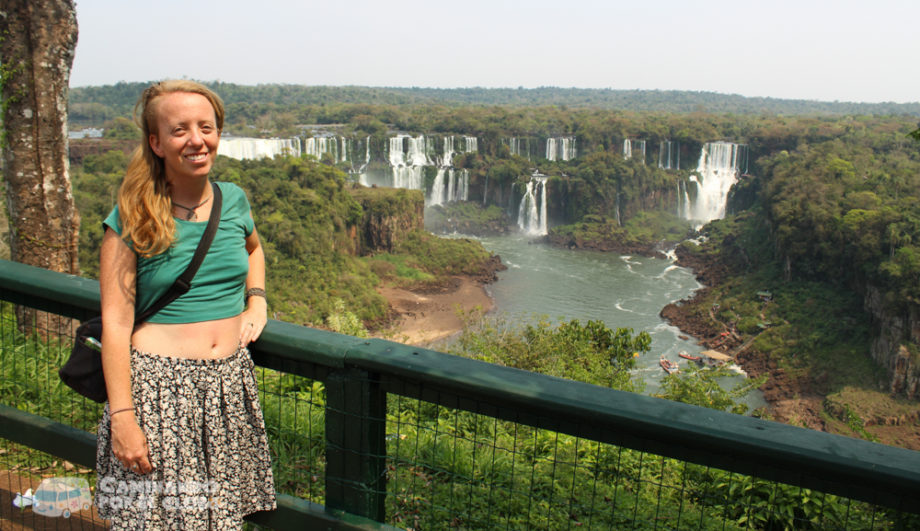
{"x": 367, "y": 150}
{"x": 683, "y": 200}
{"x": 437, "y": 189}
{"x": 630, "y": 145}
{"x": 669, "y": 155}
{"x": 519, "y": 146}
{"x": 462, "y": 188}
{"x": 241, "y": 148}
{"x": 715, "y": 174}
{"x": 408, "y": 158}
{"x": 451, "y": 184}
{"x": 532, "y": 211}
{"x": 318, "y": 146}
{"x": 560, "y": 148}
{"x": 448, "y": 156}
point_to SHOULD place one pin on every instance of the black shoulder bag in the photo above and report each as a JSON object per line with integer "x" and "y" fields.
{"x": 83, "y": 370}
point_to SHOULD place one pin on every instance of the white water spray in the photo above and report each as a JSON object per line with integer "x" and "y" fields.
{"x": 560, "y": 148}
{"x": 532, "y": 211}
{"x": 669, "y": 155}
{"x": 715, "y": 174}
{"x": 629, "y": 146}
{"x": 242, "y": 148}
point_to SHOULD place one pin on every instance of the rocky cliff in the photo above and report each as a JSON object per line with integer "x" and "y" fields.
{"x": 895, "y": 346}
{"x": 390, "y": 214}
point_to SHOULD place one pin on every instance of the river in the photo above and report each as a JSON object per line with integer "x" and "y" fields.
{"x": 622, "y": 291}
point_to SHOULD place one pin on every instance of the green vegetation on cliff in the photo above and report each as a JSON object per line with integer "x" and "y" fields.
{"x": 646, "y": 233}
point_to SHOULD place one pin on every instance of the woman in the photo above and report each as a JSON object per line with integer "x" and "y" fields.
{"x": 182, "y": 442}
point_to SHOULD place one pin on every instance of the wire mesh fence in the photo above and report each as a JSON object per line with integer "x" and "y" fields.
{"x": 445, "y": 460}
{"x": 449, "y": 468}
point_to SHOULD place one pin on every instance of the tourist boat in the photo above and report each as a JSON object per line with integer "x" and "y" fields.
{"x": 669, "y": 366}
{"x": 691, "y": 357}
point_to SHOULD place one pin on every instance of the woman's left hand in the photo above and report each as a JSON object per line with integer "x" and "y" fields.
{"x": 254, "y": 318}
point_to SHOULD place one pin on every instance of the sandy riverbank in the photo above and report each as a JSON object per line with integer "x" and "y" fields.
{"x": 426, "y": 317}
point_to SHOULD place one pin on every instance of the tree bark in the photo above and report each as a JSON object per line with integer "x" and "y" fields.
{"x": 37, "y": 43}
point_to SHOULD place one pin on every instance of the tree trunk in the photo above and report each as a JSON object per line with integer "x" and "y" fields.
{"x": 37, "y": 42}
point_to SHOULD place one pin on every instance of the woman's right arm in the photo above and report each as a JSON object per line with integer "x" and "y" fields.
{"x": 117, "y": 274}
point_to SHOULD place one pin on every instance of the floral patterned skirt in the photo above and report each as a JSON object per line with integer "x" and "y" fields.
{"x": 207, "y": 443}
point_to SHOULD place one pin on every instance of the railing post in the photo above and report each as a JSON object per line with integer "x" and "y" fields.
{"x": 356, "y": 444}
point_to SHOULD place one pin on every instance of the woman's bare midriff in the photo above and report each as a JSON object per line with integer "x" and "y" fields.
{"x": 203, "y": 340}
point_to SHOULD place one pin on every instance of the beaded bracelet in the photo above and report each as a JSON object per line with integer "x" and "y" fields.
{"x": 113, "y": 413}
{"x": 257, "y": 292}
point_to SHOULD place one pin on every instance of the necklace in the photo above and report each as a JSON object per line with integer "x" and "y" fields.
{"x": 192, "y": 216}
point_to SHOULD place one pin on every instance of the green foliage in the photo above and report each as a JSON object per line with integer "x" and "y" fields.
{"x": 465, "y": 217}
{"x": 809, "y": 327}
{"x": 644, "y": 232}
{"x": 760, "y": 504}
{"x": 27, "y": 360}
{"x": 846, "y": 211}
{"x": 121, "y": 128}
{"x": 444, "y": 256}
{"x": 403, "y": 268}
{"x": 344, "y": 321}
{"x": 95, "y": 189}
{"x": 382, "y": 203}
{"x": 700, "y": 386}
{"x": 360, "y": 105}
{"x": 660, "y": 227}
{"x": 589, "y": 352}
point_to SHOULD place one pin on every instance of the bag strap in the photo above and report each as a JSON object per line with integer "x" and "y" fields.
{"x": 184, "y": 282}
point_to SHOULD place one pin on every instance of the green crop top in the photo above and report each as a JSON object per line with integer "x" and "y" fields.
{"x": 217, "y": 290}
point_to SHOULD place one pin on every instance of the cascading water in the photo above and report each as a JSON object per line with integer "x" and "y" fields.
{"x": 318, "y": 146}
{"x": 242, "y": 148}
{"x": 669, "y": 155}
{"x": 408, "y": 157}
{"x": 451, "y": 184}
{"x": 633, "y": 145}
{"x": 560, "y": 148}
{"x": 522, "y": 147}
{"x": 715, "y": 174}
{"x": 532, "y": 210}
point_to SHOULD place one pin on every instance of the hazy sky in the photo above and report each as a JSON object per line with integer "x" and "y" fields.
{"x": 821, "y": 50}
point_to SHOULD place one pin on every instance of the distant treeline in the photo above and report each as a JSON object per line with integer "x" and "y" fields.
{"x": 118, "y": 99}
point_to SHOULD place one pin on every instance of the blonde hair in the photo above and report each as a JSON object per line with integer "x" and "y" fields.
{"x": 144, "y": 204}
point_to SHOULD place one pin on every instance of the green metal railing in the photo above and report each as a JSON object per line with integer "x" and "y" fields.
{"x": 370, "y": 433}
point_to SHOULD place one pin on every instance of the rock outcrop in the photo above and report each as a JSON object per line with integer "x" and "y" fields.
{"x": 898, "y": 332}
{"x": 390, "y": 215}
